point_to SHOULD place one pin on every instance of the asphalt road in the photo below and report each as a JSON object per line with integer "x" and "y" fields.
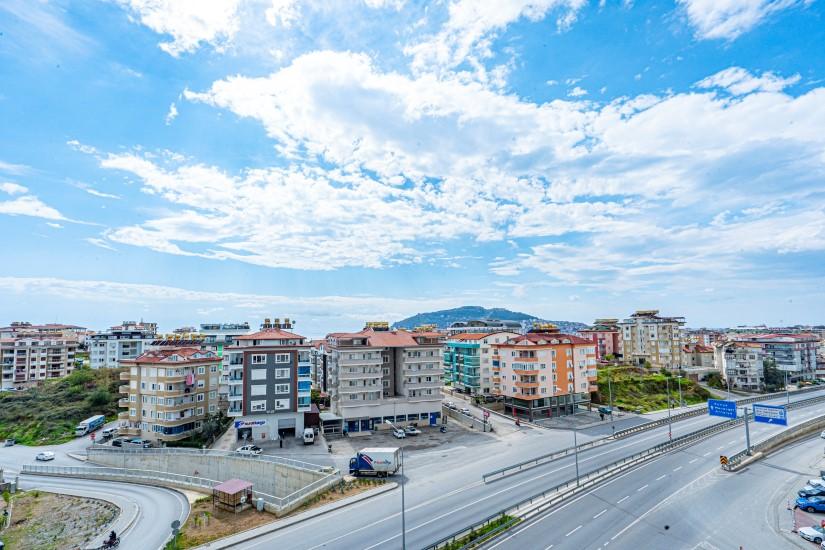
{"x": 155, "y": 507}
{"x": 444, "y": 492}
{"x": 681, "y": 500}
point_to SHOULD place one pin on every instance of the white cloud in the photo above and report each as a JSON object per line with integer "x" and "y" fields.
{"x": 577, "y": 92}
{"x": 92, "y": 191}
{"x": 739, "y": 81}
{"x": 471, "y": 27}
{"x": 29, "y": 205}
{"x": 283, "y": 13}
{"x": 379, "y": 4}
{"x": 54, "y": 225}
{"x": 100, "y": 243}
{"x": 728, "y": 19}
{"x": 14, "y": 169}
{"x": 12, "y": 188}
{"x": 172, "y": 114}
{"x": 189, "y": 22}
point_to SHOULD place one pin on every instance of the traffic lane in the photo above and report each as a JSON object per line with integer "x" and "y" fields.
{"x": 157, "y": 506}
{"x": 652, "y": 478}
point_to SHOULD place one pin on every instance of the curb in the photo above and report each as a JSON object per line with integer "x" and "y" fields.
{"x": 244, "y": 536}
{"x": 79, "y": 457}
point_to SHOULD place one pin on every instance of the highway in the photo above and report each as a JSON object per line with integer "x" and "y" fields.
{"x": 681, "y": 500}
{"x": 445, "y": 493}
{"x": 148, "y": 511}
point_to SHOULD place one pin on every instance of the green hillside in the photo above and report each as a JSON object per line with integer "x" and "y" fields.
{"x": 445, "y": 317}
{"x": 646, "y": 391}
{"x": 48, "y": 414}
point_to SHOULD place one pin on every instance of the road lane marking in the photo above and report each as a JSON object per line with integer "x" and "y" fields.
{"x": 623, "y": 499}
{"x": 731, "y": 442}
{"x": 677, "y": 468}
{"x": 600, "y": 513}
{"x": 549, "y": 547}
{"x": 573, "y": 531}
{"x": 692, "y": 461}
{"x": 720, "y": 447}
{"x": 642, "y": 488}
{"x": 661, "y": 477}
{"x": 706, "y": 454}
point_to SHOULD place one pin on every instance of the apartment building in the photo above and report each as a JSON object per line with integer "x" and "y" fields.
{"x": 741, "y": 364}
{"x": 698, "y": 356}
{"x": 484, "y": 326}
{"x": 27, "y": 358}
{"x": 168, "y": 392}
{"x": 217, "y": 337}
{"x": 318, "y": 357}
{"x": 648, "y": 337}
{"x": 269, "y": 382}
{"x": 792, "y": 353}
{"x": 605, "y": 334}
{"x": 379, "y": 374}
{"x": 467, "y": 361}
{"x": 544, "y": 374}
{"x": 125, "y": 341}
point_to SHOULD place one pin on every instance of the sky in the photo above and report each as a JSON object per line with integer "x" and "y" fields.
{"x": 336, "y": 161}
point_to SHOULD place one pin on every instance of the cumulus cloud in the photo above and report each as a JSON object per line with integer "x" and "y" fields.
{"x": 283, "y": 13}
{"x": 12, "y": 188}
{"x": 728, "y": 19}
{"x": 190, "y": 23}
{"x": 172, "y": 114}
{"x": 739, "y": 81}
{"x": 29, "y": 205}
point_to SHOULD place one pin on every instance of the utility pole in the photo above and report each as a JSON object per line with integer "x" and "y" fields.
{"x": 787, "y": 394}
{"x": 576, "y": 453}
{"x": 610, "y": 398}
{"x": 747, "y": 432}
{"x": 669, "y": 422}
{"x": 679, "y": 381}
{"x": 403, "y": 518}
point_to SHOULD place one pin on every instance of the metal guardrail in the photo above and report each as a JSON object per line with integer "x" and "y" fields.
{"x": 533, "y": 462}
{"x": 559, "y": 493}
{"x": 769, "y": 443}
{"x": 209, "y": 452}
{"x": 450, "y": 539}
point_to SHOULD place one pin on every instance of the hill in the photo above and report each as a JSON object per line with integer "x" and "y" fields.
{"x": 445, "y": 317}
{"x": 646, "y": 391}
{"x": 49, "y": 413}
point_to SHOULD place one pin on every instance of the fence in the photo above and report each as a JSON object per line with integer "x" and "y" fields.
{"x": 533, "y": 462}
{"x": 812, "y": 425}
{"x": 467, "y": 419}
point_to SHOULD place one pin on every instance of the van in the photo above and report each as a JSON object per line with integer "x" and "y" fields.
{"x": 108, "y": 432}
{"x": 309, "y": 436}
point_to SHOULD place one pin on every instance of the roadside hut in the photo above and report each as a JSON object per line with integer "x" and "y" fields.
{"x": 232, "y": 494}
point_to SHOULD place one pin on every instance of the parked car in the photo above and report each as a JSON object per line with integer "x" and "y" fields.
{"x": 398, "y": 433}
{"x": 44, "y": 455}
{"x": 249, "y": 450}
{"x": 814, "y": 533}
{"x": 145, "y": 443}
{"x": 605, "y": 410}
{"x": 450, "y": 405}
{"x": 465, "y": 410}
{"x": 108, "y": 432}
{"x": 309, "y": 436}
{"x": 822, "y": 435}
{"x": 412, "y": 430}
{"x": 118, "y": 441}
{"x": 811, "y": 504}
{"x": 809, "y": 491}
{"x": 9, "y": 442}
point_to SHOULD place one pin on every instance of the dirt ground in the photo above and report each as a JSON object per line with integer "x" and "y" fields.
{"x": 207, "y": 523}
{"x": 49, "y": 521}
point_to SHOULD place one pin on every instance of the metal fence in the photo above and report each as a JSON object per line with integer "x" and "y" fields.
{"x": 533, "y": 462}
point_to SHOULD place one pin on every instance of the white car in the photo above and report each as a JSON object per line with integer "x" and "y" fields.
{"x": 465, "y": 410}
{"x": 814, "y": 533}
{"x": 399, "y": 434}
{"x": 822, "y": 435}
{"x": 450, "y": 405}
{"x": 412, "y": 430}
{"x": 249, "y": 450}
{"x": 44, "y": 455}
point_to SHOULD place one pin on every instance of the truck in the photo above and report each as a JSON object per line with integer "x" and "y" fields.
{"x": 89, "y": 425}
{"x": 376, "y": 461}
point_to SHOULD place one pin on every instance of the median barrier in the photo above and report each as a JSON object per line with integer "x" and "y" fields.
{"x": 742, "y": 458}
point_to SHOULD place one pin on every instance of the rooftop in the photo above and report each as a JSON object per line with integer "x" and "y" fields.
{"x": 172, "y": 354}
{"x": 271, "y": 334}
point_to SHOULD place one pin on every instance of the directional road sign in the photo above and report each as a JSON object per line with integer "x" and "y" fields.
{"x": 770, "y": 414}
{"x": 723, "y": 460}
{"x": 720, "y": 407}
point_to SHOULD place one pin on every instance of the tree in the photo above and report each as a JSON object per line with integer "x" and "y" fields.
{"x": 774, "y": 378}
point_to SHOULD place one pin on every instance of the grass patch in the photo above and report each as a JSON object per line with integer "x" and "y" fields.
{"x": 476, "y": 537}
{"x": 48, "y": 414}
{"x": 647, "y": 391}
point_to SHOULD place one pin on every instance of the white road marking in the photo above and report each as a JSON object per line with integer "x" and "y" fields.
{"x": 600, "y": 513}
{"x": 677, "y": 468}
{"x": 622, "y": 499}
{"x": 692, "y": 461}
{"x": 720, "y": 447}
{"x": 661, "y": 477}
{"x": 642, "y": 488}
{"x": 573, "y": 531}
{"x": 706, "y": 454}
{"x": 731, "y": 442}
{"x": 549, "y": 547}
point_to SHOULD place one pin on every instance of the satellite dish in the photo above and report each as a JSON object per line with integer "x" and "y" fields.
{"x": 176, "y": 524}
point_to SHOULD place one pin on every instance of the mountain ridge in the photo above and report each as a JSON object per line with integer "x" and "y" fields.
{"x": 445, "y": 317}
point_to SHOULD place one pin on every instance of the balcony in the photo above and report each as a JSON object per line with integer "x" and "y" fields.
{"x": 123, "y": 403}
{"x": 525, "y": 372}
{"x": 525, "y": 359}
{"x": 234, "y": 411}
{"x": 520, "y": 384}
{"x": 233, "y": 381}
{"x": 343, "y": 375}
{"x": 125, "y": 376}
{"x": 123, "y": 415}
{"x": 123, "y": 389}
{"x": 235, "y": 397}
{"x": 128, "y": 431}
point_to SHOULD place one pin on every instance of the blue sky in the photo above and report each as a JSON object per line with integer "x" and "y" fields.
{"x": 335, "y": 162}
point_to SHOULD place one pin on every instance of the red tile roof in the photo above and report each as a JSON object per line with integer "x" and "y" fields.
{"x": 547, "y": 338}
{"x": 385, "y": 339}
{"x": 270, "y": 334}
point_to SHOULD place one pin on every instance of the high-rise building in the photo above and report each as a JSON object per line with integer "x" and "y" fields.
{"x": 169, "y": 392}
{"x": 605, "y": 334}
{"x": 269, "y": 382}
{"x": 379, "y": 374}
{"x": 468, "y": 361}
{"x": 648, "y": 337}
{"x": 545, "y": 373}
{"x": 484, "y": 326}
{"x": 27, "y": 358}
{"x": 125, "y": 341}
{"x": 217, "y": 337}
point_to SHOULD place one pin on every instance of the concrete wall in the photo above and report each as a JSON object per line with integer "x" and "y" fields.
{"x": 268, "y": 477}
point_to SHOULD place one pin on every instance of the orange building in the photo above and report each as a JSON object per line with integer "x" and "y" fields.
{"x": 544, "y": 373}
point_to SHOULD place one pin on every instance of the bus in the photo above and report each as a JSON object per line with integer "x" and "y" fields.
{"x": 89, "y": 425}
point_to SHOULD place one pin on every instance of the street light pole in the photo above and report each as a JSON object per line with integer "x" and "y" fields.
{"x": 669, "y": 422}
{"x": 576, "y": 453}
{"x": 679, "y": 381}
{"x": 787, "y": 394}
{"x": 403, "y": 518}
{"x": 747, "y": 432}
{"x": 610, "y": 398}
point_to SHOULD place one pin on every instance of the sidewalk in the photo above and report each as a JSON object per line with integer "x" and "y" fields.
{"x": 228, "y": 441}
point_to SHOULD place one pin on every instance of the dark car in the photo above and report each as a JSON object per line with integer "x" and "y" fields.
{"x": 118, "y": 442}
{"x": 605, "y": 410}
{"x": 812, "y": 491}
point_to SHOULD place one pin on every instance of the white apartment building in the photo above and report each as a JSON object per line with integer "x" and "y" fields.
{"x": 125, "y": 341}
{"x": 741, "y": 364}
{"x": 646, "y": 336}
{"x": 28, "y": 358}
{"x": 217, "y": 337}
{"x": 377, "y": 375}
{"x": 484, "y": 326}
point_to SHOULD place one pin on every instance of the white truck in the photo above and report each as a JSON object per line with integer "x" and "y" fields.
{"x": 375, "y": 461}
{"x": 89, "y": 425}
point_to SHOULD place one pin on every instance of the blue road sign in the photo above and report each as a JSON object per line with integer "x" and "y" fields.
{"x": 770, "y": 414}
{"x": 720, "y": 407}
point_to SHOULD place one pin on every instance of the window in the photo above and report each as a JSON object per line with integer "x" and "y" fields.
{"x": 282, "y": 373}
{"x": 213, "y": 394}
{"x": 201, "y": 370}
{"x": 213, "y": 368}
{"x": 258, "y": 389}
{"x": 132, "y": 412}
{"x": 258, "y": 374}
{"x": 212, "y": 408}
{"x": 282, "y": 358}
{"x": 258, "y": 359}
{"x": 200, "y": 397}
{"x": 258, "y": 406}
{"x": 281, "y": 388}
{"x": 199, "y": 411}
{"x": 281, "y": 404}
{"x": 201, "y": 383}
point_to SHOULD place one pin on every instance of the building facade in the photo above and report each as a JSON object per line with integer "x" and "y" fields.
{"x": 648, "y": 337}
{"x": 794, "y": 353}
{"x": 484, "y": 326}
{"x": 169, "y": 393}
{"x": 741, "y": 364}
{"x": 29, "y": 358}
{"x": 605, "y": 334}
{"x": 545, "y": 374}
{"x": 377, "y": 375}
{"x": 125, "y": 341}
{"x": 217, "y": 337}
{"x": 467, "y": 360}
{"x": 698, "y": 356}
{"x": 270, "y": 383}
